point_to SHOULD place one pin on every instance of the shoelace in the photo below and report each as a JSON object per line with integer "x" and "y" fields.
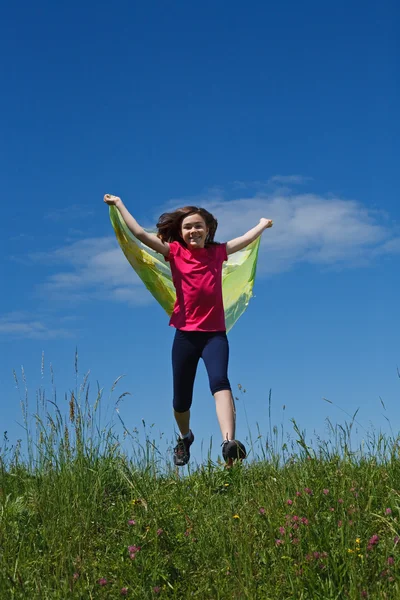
{"x": 180, "y": 447}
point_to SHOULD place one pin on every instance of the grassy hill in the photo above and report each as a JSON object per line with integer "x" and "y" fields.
{"x": 79, "y": 519}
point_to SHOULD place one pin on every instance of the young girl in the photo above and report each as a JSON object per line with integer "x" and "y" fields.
{"x": 186, "y": 240}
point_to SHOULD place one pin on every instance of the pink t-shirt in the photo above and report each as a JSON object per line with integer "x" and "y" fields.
{"x": 197, "y": 277}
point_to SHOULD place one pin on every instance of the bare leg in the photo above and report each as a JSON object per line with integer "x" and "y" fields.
{"x": 226, "y": 413}
{"x": 182, "y": 420}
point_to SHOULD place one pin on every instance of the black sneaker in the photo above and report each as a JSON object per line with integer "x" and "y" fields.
{"x": 182, "y": 450}
{"x": 233, "y": 450}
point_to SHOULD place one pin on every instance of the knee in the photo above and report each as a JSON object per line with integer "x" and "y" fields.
{"x": 180, "y": 405}
{"x": 217, "y": 385}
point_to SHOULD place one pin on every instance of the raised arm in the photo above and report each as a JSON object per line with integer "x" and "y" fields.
{"x": 149, "y": 239}
{"x": 244, "y": 240}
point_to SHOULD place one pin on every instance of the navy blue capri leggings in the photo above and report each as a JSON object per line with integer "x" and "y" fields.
{"x": 187, "y": 349}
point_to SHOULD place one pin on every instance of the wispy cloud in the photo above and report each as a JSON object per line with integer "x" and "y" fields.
{"x": 289, "y": 179}
{"x": 272, "y": 183}
{"x": 329, "y": 232}
{"x": 25, "y": 325}
{"x": 308, "y": 229}
{"x": 92, "y": 269}
{"x": 249, "y": 185}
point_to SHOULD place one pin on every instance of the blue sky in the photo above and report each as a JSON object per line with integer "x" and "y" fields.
{"x": 285, "y": 111}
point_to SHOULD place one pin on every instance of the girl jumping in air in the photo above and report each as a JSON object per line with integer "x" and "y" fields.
{"x": 186, "y": 240}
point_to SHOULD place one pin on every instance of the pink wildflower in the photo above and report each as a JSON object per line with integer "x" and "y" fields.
{"x": 262, "y": 511}
{"x": 340, "y": 500}
{"x": 332, "y": 509}
{"x": 282, "y": 530}
{"x": 390, "y": 560}
{"x": 308, "y": 491}
{"x": 316, "y": 555}
{"x": 124, "y": 591}
{"x": 279, "y": 542}
{"x": 160, "y": 532}
{"x": 325, "y": 492}
{"x": 364, "y": 594}
{"x": 157, "y": 589}
{"x": 304, "y": 520}
{"x": 339, "y": 523}
{"x": 102, "y": 581}
{"x": 131, "y": 522}
{"x": 298, "y": 494}
{"x": 289, "y": 502}
{"x": 388, "y": 511}
{"x": 295, "y": 518}
{"x": 374, "y": 540}
{"x": 295, "y": 541}
{"x": 133, "y": 550}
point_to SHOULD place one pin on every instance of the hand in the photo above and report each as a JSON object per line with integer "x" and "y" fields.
{"x": 112, "y": 200}
{"x": 266, "y": 222}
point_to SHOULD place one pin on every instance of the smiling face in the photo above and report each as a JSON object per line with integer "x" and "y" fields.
{"x": 194, "y": 231}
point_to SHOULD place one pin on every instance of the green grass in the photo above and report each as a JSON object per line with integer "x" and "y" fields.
{"x": 79, "y": 519}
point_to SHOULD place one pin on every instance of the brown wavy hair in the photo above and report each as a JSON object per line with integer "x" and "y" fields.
{"x": 169, "y": 224}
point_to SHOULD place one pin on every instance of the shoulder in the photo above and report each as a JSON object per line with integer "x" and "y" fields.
{"x": 175, "y": 248}
{"x": 219, "y": 251}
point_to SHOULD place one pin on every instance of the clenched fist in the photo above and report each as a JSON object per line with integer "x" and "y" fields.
{"x": 266, "y": 222}
{"x": 112, "y": 200}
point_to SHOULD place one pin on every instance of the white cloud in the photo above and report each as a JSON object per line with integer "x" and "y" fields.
{"x": 276, "y": 181}
{"x": 24, "y": 325}
{"x": 307, "y": 229}
{"x": 289, "y": 179}
{"x": 391, "y": 246}
{"x": 93, "y": 269}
